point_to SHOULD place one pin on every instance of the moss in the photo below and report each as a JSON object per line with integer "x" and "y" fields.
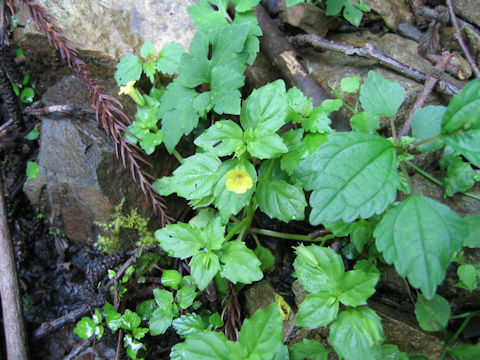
{"x": 124, "y": 232}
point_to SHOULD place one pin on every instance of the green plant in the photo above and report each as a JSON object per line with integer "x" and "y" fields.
{"x": 352, "y": 11}
{"x": 275, "y": 146}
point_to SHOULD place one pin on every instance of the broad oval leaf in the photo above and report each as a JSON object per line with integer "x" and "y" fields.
{"x": 356, "y": 287}
{"x": 353, "y": 175}
{"x": 128, "y": 69}
{"x": 262, "y": 333}
{"x": 180, "y": 240}
{"x": 467, "y": 145}
{"x": 420, "y": 236}
{"x": 309, "y": 349}
{"x": 265, "y": 144}
{"x": 381, "y": 96}
{"x": 433, "y": 314}
{"x": 281, "y": 200}
{"x": 426, "y": 123}
{"x": 204, "y": 266}
{"x": 357, "y": 334}
{"x": 317, "y": 310}
{"x": 188, "y": 324}
{"x": 462, "y": 111}
{"x": 240, "y": 263}
{"x": 221, "y": 139}
{"x": 160, "y": 321}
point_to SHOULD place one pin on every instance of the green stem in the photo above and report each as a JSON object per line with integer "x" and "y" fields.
{"x": 421, "y": 142}
{"x": 436, "y": 181}
{"x": 178, "y": 156}
{"x": 281, "y": 235}
{"x": 236, "y": 229}
{"x": 405, "y": 172}
{"x": 455, "y": 336}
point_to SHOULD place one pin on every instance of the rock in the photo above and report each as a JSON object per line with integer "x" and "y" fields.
{"x": 392, "y": 12}
{"x": 468, "y": 10}
{"x": 80, "y": 179}
{"x": 116, "y": 28}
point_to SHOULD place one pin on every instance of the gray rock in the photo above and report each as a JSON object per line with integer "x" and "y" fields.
{"x": 468, "y": 10}
{"x": 116, "y": 28}
{"x": 393, "y": 12}
{"x": 80, "y": 179}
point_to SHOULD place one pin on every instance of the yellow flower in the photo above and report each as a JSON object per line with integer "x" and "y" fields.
{"x": 130, "y": 90}
{"x": 238, "y": 181}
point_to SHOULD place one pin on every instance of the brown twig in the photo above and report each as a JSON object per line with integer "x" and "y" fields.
{"x": 231, "y": 314}
{"x": 459, "y": 36}
{"x": 12, "y": 309}
{"x": 56, "y": 324}
{"x": 370, "y": 52}
{"x": 430, "y": 83}
{"x": 75, "y": 352}
{"x": 107, "y": 109}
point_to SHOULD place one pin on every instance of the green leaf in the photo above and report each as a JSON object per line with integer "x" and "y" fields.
{"x": 224, "y": 85}
{"x": 149, "y": 70}
{"x": 466, "y": 352}
{"x": 308, "y": 349}
{"x": 112, "y": 318}
{"x": 130, "y": 320}
{"x": 264, "y": 143}
{"x": 266, "y": 108}
{"x": 180, "y": 240}
{"x": 97, "y": 317}
{"x": 178, "y": 113}
{"x": 261, "y": 335}
{"x": 146, "y": 308}
{"x": 147, "y": 50}
{"x": 427, "y": 123}
{"x": 317, "y": 310}
{"x": 357, "y": 334}
{"x": 195, "y": 178}
{"x": 299, "y": 106}
{"x": 420, "y": 236}
{"x": 207, "y": 345}
{"x": 27, "y": 95}
{"x": 160, "y": 321}
{"x": 380, "y": 96}
{"x": 316, "y": 267}
{"x": 171, "y": 278}
{"x": 462, "y": 110}
{"x": 216, "y": 320}
{"x": 433, "y": 314}
{"x": 459, "y": 178}
{"x": 252, "y": 43}
{"x": 391, "y": 352}
{"x": 280, "y": 200}
{"x": 293, "y": 2}
{"x": 266, "y": 258}
{"x": 150, "y": 141}
{"x": 309, "y": 144}
{"x": 33, "y": 135}
{"x": 85, "y": 328}
{"x": 240, "y": 263}
{"x": 133, "y": 346}
{"x": 205, "y": 17}
{"x": 352, "y": 174}
{"x": 227, "y": 202}
{"x": 188, "y": 324}
{"x": 473, "y": 224}
{"x": 186, "y": 296}
{"x": 466, "y": 144}
{"x": 350, "y": 84}
{"x": 169, "y": 58}
{"x": 356, "y": 287}
{"x": 32, "y": 170}
{"x": 213, "y": 234}
{"x": 204, "y": 266}
{"x": 365, "y": 122}
{"x": 245, "y": 5}
{"x": 318, "y": 120}
{"x": 467, "y": 275}
{"x": 128, "y": 69}
{"x": 222, "y": 139}
{"x": 352, "y": 14}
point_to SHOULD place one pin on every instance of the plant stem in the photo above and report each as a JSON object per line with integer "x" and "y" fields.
{"x": 236, "y": 228}
{"x": 178, "y": 156}
{"x": 455, "y": 336}
{"x": 436, "y": 181}
{"x": 405, "y": 172}
{"x": 425, "y": 141}
{"x": 281, "y": 235}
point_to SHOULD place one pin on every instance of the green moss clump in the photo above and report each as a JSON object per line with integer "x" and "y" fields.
{"x": 124, "y": 232}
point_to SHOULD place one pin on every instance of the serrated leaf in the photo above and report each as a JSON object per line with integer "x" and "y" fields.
{"x": 133, "y": 346}
{"x": 188, "y": 324}
{"x": 216, "y": 320}
{"x": 227, "y": 47}
{"x": 352, "y": 174}
{"x": 318, "y": 267}
{"x": 227, "y": 202}
{"x": 462, "y": 110}
{"x": 180, "y": 240}
{"x": 357, "y": 334}
{"x": 280, "y": 200}
{"x": 356, "y": 287}
{"x": 221, "y": 139}
{"x": 433, "y": 314}
{"x": 130, "y": 320}
{"x": 467, "y": 274}
{"x": 264, "y": 143}
{"x": 350, "y": 84}
{"x": 266, "y": 258}
{"x": 381, "y": 96}
{"x": 240, "y": 263}
{"x": 85, "y": 328}
{"x": 391, "y": 352}
{"x": 265, "y": 108}
{"x": 169, "y": 58}
{"x": 186, "y": 296}
{"x": 318, "y": 120}
{"x": 204, "y": 266}
{"x": 427, "y": 123}
{"x": 420, "y": 236}
{"x": 245, "y": 5}
{"x": 262, "y": 333}
{"x": 309, "y": 144}
{"x": 149, "y": 70}
{"x": 146, "y": 308}
{"x": 308, "y": 349}
{"x": 466, "y": 144}
{"x": 160, "y": 321}
{"x": 150, "y": 141}
{"x": 459, "y": 177}
{"x": 365, "y": 122}
{"x": 205, "y": 17}
{"x": 128, "y": 69}
{"x": 207, "y": 345}
{"x": 299, "y": 106}
{"x": 147, "y": 50}
{"x": 466, "y": 352}
{"x": 195, "y": 178}
{"x": 224, "y": 85}
{"x": 472, "y": 223}
{"x": 317, "y": 310}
